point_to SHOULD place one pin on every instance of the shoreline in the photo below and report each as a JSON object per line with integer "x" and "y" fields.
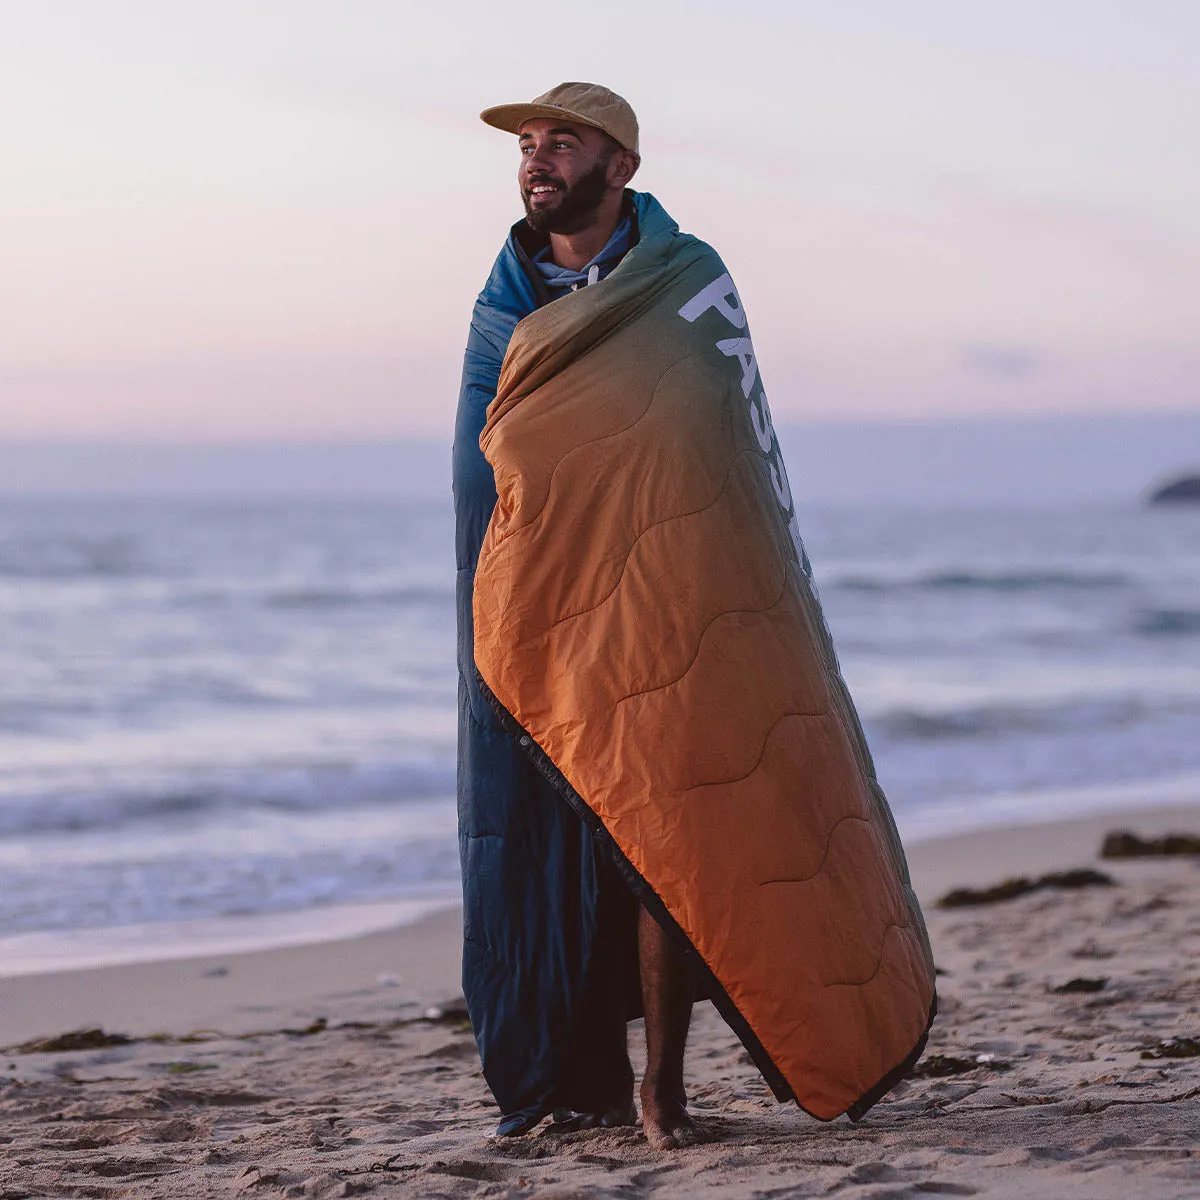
{"x": 923, "y": 832}
{"x": 45, "y": 952}
{"x": 1063, "y": 1064}
{"x": 364, "y": 961}
{"x": 1051, "y": 806}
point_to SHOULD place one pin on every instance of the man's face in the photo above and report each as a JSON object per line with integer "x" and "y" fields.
{"x": 563, "y": 174}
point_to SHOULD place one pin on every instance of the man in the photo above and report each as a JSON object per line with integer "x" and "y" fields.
{"x": 573, "y": 173}
{"x": 662, "y": 784}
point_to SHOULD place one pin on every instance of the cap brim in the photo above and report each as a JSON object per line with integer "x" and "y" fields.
{"x": 510, "y": 117}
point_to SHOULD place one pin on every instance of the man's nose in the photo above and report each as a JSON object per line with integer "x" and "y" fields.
{"x": 537, "y": 160}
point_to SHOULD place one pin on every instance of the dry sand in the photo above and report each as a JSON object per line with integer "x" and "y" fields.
{"x": 324, "y": 1071}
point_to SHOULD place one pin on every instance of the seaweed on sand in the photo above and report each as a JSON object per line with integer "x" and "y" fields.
{"x": 1010, "y": 889}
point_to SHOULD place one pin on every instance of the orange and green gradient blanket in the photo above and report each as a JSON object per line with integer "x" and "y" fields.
{"x": 646, "y": 625}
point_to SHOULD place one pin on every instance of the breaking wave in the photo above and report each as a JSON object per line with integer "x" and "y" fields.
{"x": 300, "y": 789}
{"x": 982, "y": 581}
{"x": 1169, "y": 622}
{"x": 984, "y": 721}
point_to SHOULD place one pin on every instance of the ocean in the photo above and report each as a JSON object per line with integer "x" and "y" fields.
{"x": 222, "y": 711}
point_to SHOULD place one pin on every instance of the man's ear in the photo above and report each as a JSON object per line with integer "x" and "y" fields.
{"x": 622, "y": 167}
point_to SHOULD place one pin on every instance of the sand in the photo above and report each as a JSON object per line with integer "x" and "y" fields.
{"x": 348, "y": 1069}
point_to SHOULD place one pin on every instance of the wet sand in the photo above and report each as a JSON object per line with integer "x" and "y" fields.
{"x": 348, "y": 1068}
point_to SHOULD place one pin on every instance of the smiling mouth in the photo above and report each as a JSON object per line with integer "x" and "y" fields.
{"x": 536, "y": 190}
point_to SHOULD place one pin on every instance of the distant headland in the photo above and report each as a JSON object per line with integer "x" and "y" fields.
{"x": 1184, "y": 490}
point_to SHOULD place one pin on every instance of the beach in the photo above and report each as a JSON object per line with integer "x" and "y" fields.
{"x": 394, "y": 561}
{"x": 1058, "y": 1066}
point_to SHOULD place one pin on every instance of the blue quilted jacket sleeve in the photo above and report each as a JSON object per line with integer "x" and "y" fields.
{"x": 507, "y": 296}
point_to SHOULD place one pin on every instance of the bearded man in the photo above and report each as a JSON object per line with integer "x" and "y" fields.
{"x": 663, "y": 791}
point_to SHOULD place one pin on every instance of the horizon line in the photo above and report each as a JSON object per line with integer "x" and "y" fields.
{"x": 974, "y": 419}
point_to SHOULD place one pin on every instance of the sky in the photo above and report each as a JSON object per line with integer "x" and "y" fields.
{"x": 224, "y": 220}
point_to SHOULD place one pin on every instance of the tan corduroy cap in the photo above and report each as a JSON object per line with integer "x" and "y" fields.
{"x": 584, "y": 103}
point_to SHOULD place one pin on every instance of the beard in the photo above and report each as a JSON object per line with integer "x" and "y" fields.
{"x": 576, "y": 203}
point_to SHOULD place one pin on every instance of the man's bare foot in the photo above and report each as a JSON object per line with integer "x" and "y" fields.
{"x": 669, "y": 1125}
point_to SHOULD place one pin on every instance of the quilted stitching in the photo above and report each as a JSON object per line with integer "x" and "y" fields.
{"x": 606, "y": 625}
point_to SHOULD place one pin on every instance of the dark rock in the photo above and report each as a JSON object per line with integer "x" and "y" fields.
{"x": 940, "y": 1066}
{"x": 1008, "y": 890}
{"x": 1076, "y": 987}
{"x": 1011, "y": 888}
{"x": 1178, "y": 1047}
{"x": 1080, "y": 878}
{"x": 1184, "y": 490}
{"x": 1123, "y": 844}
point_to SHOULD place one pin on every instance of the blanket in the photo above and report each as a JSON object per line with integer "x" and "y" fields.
{"x": 647, "y": 628}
